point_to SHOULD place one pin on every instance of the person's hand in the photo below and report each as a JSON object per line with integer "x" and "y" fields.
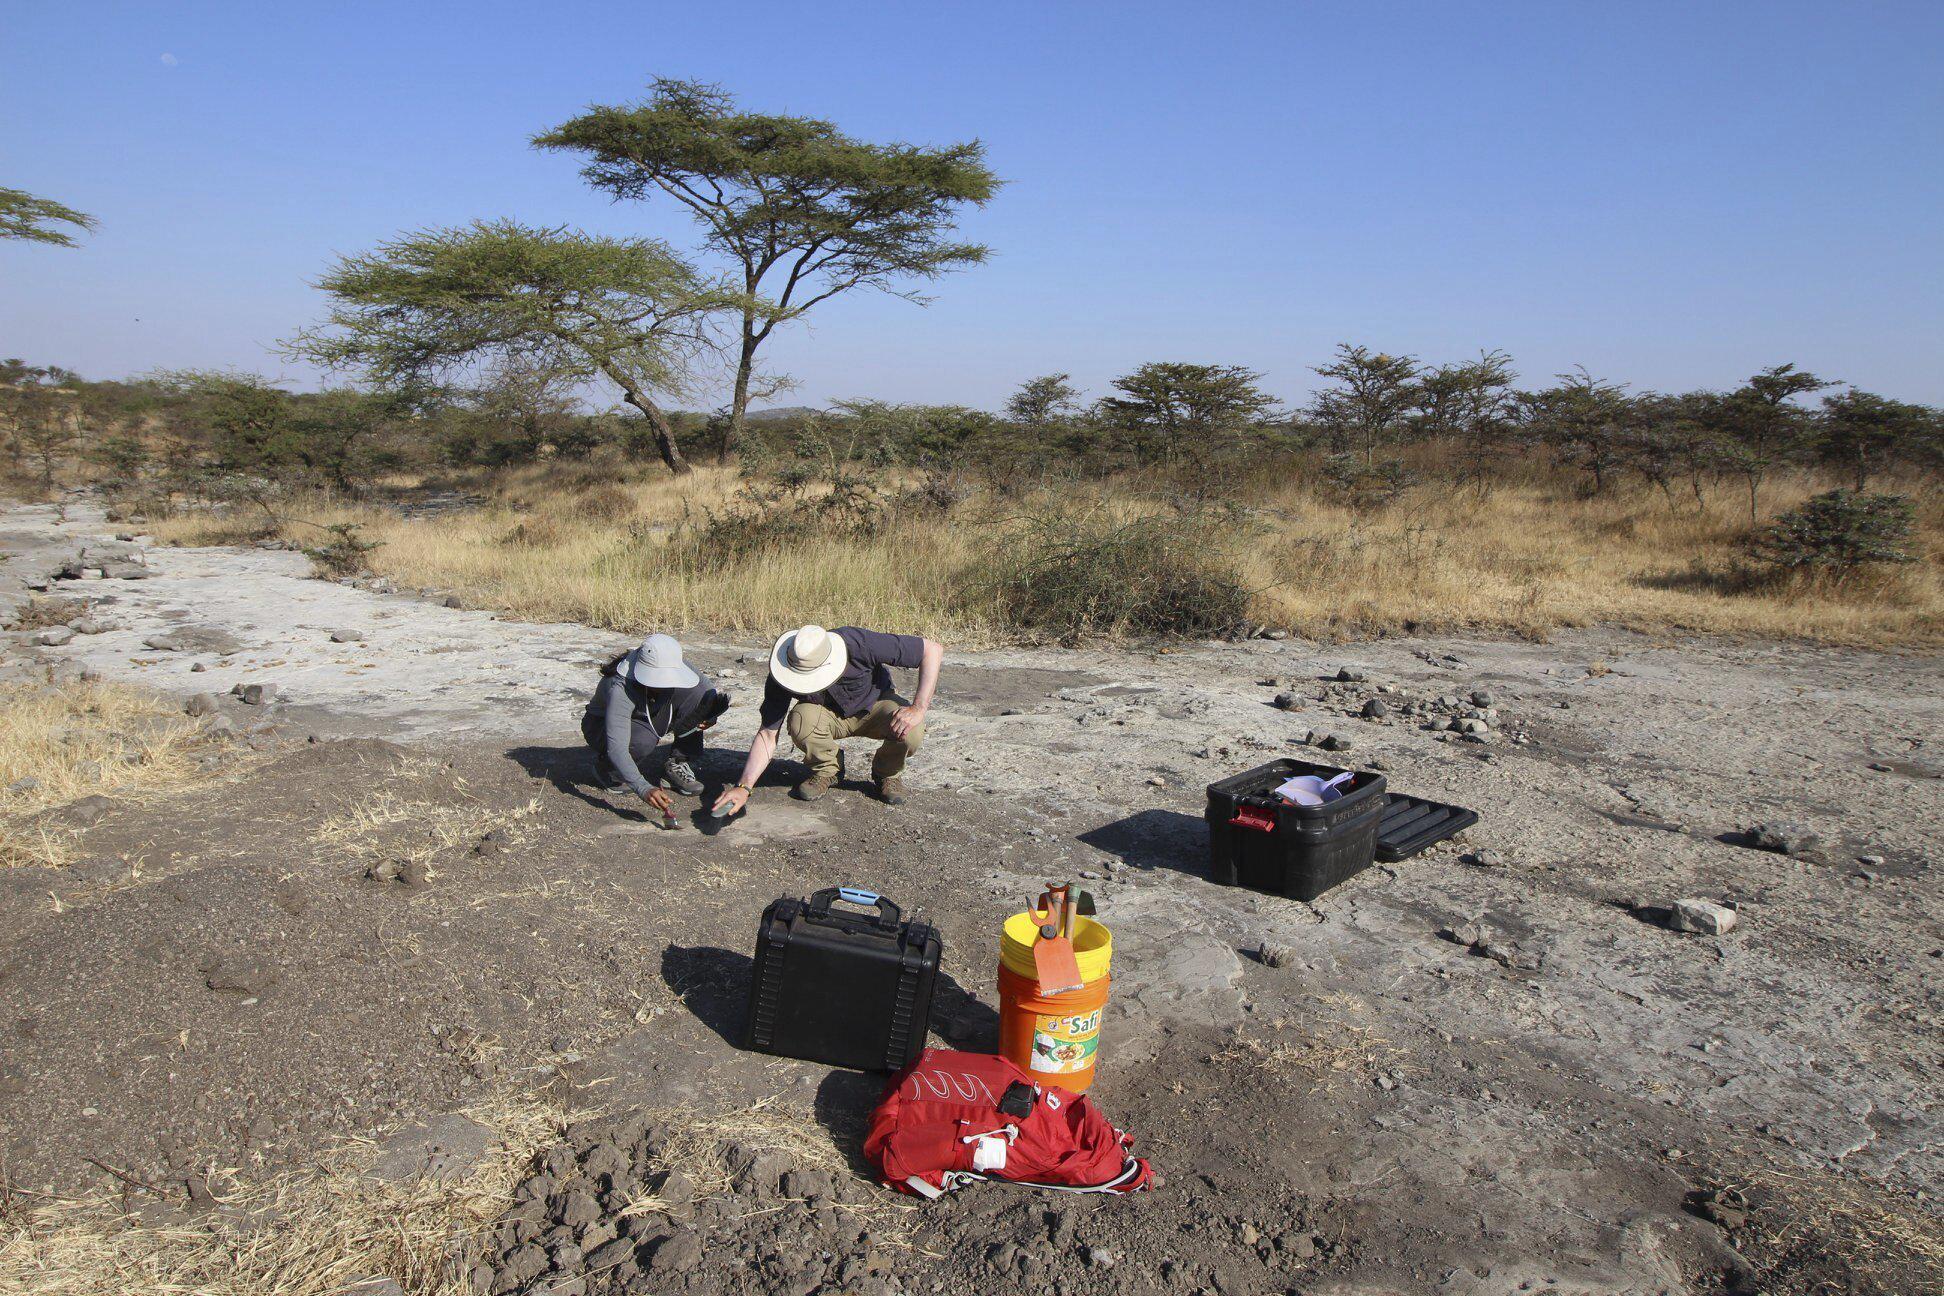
{"x": 907, "y": 719}
{"x": 731, "y": 800}
{"x": 659, "y": 799}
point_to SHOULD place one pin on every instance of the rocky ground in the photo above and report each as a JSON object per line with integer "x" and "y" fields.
{"x": 1495, "y": 1067}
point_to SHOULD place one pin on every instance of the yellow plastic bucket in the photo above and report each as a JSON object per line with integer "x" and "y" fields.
{"x": 1055, "y": 1038}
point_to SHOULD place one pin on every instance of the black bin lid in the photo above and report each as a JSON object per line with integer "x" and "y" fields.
{"x": 1412, "y": 823}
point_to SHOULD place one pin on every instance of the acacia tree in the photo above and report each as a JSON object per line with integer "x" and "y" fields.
{"x": 1585, "y": 421}
{"x": 1471, "y": 405}
{"x": 1371, "y": 402}
{"x": 426, "y": 307}
{"x": 23, "y": 216}
{"x": 1860, "y": 429}
{"x": 804, "y": 211}
{"x": 1760, "y": 426}
{"x": 1042, "y": 404}
{"x": 1173, "y": 404}
{"x": 40, "y": 415}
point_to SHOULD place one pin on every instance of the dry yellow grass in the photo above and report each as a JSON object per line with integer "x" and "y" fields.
{"x": 69, "y": 740}
{"x": 311, "y": 1233}
{"x": 1528, "y": 556}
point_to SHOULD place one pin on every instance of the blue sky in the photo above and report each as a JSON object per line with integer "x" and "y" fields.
{"x": 1670, "y": 194}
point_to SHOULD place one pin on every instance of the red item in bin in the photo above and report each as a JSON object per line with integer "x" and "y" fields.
{"x": 1251, "y": 817}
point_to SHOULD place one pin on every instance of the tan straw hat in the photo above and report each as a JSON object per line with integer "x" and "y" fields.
{"x": 808, "y": 660}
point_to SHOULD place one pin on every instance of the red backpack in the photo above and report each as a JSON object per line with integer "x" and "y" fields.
{"x": 951, "y": 1118}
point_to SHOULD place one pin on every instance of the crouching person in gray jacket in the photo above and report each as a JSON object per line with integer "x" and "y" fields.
{"x": 644, "y": 696}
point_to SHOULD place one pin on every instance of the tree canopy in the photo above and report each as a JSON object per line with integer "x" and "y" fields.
{"x": 23, "y": 216}
{"x": 804, "y": 211}
{"x": 1371, "y": 400}
{"x": 1174, "y": 403}
{"x": 426, "y": 307}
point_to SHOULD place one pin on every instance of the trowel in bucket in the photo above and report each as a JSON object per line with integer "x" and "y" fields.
{"x": 1053, "y": 960}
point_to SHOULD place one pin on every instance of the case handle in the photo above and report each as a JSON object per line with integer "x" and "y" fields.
{"x": 888, "y": 913}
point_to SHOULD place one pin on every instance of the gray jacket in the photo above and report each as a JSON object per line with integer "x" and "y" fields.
{"x": 630, "y": 717}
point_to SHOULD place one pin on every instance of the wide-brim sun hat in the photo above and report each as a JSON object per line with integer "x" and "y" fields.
{"x": 808, "y": 659}
{"x": 658, "y": 664}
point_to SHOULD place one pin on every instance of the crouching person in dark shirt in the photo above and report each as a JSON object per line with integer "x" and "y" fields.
{"x": 830, "y": 685}
{"x": 644, "y": 696}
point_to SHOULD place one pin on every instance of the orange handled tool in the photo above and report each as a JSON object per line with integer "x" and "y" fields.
{"x": 1053, "y": 960}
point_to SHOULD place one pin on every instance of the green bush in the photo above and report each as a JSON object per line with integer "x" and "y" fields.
{"x": 1836, "y": 533}
{"x": 1070, "y": 579}
{"x": 343, "y": 551}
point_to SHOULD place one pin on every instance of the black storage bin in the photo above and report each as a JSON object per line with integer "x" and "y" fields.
{"x": 1260, "y": 841}
{"x": 849, "y": 989}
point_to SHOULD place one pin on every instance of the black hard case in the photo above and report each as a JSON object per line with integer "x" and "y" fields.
{"x": 1309, "y": 849}
{"x": 849, "y": 989}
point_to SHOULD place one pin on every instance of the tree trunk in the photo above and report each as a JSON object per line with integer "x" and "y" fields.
{"x": 739, "y": 400}
{"x": 664, "y": 432}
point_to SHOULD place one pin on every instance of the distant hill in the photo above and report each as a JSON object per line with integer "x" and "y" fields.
{"x": 782, "y": 412}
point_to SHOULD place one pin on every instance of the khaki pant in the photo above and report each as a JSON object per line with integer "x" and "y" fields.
{"x": 816, "y": 730}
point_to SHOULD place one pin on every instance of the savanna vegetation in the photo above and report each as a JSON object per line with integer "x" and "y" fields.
{"x": 550, "y": 388}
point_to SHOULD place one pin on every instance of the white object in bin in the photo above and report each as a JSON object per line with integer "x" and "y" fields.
{"x": 1308, "y": 789}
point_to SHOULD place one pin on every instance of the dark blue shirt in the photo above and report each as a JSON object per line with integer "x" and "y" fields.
{"x": 865, "y": 678}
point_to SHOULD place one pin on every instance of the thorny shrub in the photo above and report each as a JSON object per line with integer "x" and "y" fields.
{"x": 1075, "y": 577}
{"x": 1837, "y": 533}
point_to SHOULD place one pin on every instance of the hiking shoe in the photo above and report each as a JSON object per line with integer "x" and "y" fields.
{"x": 891, "y": 790}
{"x": 812, "y": 788}
{"x": 680, "y": 776}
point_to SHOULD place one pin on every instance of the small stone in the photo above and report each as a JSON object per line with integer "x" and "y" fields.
{"x": 1508, "y": 956}
{"x": 1277, "y": 634}
{"x": 22, "y": 786}
{"x": 454, "y": 601}
{"x": 54, "y": 637}
{"x": 1348, "y": 675}
{"x": 1101, "y": 1257}
{"x": 1276, "y": 956}
{"x": 1333, "y": 743}
{"x": 200, "y": 704}
{"x": 808, "y": 1185}
{"x": 1704, "y": 916}
{"x": 1485, "y": 858}
{"x": 678, "y": 1254}
{"x": 1783, "y": 837}
{"x": 347, "y": 636}
{"x": 1284, "y": 702}
{"x": 1873, "y": 861}
{"x": 609, "y": 1254}
{"x": 575, "y": 1209}
{"x": 198, "y": 667}
{"x": 196, "y": 639}
{"x": 522, "y": 1264}
{"x": 88, "y": 811}
{"x": 257, "y": 694}
{"x": 1375, "y": 709}
{"x": 1481, "y": 697}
